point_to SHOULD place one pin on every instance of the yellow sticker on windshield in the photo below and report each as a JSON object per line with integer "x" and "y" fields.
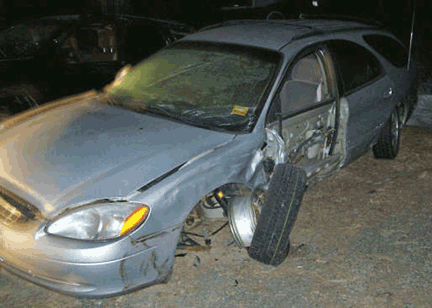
{"x": 240, "y": 110}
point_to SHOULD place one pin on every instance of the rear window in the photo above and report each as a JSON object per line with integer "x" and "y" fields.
{"x": 389, "y": 48}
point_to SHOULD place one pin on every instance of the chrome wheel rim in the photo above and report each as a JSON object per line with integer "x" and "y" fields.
{"x": 402, "y": 111}
{"x": 243, "y": 215}
{"x": 395, "y": 128}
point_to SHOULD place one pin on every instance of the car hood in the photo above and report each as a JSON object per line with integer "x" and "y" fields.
{"x": 89, "y": 151}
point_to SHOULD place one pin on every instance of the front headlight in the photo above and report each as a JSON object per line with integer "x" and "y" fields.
{"x": 102, "y": 221}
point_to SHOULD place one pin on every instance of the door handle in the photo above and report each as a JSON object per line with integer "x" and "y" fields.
{"x": 388, "y": 93}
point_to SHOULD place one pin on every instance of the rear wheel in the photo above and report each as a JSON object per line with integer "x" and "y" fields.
{"x": 403, "y": 112}
{"x": 270, "y": 242}
{"x": 388, "y": 143}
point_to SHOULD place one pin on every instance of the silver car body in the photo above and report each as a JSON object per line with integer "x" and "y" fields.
{"x": 79, "y": 151}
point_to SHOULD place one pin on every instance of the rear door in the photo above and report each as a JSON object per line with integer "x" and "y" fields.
{"x": 368, "y": 90}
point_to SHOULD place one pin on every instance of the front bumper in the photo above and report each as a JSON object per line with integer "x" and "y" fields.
{"x": 85, "y": 271}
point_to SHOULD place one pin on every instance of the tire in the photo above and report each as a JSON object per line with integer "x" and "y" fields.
{"x": 388, "y": 143}
{"x": 270, "y": 242}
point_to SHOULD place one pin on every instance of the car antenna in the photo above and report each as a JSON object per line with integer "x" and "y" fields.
{"x": 411, "y": 36}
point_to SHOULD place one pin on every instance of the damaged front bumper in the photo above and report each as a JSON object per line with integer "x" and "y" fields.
{"x": 86, "y": 269}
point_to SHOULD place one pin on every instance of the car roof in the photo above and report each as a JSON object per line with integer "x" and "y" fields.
{"x": 272, "y": 34}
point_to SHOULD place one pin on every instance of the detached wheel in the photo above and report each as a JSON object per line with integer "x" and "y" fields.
{"x": 388, "y": 143}
{"x": 270, "y": 242}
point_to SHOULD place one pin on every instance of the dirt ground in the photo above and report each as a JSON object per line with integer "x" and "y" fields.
{"x": 363, "y": 238}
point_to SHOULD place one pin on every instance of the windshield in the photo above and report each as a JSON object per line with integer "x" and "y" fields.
{"x": 215, "y": 87}
{"x": 24, "y": 39}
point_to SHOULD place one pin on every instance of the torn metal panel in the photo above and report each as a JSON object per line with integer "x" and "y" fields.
{"x": 176, "y": 196}
{"x": 308, "y": 140}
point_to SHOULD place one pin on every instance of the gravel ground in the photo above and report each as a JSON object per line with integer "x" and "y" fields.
{"x": 363, "y": 238}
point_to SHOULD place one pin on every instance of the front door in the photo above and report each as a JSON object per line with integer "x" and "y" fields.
{"x": 310, "y": 110}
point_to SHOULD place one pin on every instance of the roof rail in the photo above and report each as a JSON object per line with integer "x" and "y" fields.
{"x": 341, "y": 17}
{"x": 248, "y": 21}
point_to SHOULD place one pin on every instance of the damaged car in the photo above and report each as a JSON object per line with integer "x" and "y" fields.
{"x": 242, "y": 116}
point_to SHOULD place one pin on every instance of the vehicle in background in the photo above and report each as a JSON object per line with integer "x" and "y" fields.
{"x": 55, "y": 56}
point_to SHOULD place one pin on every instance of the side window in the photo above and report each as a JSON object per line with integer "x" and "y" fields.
{"x": 91, "y": 44}
{"x": 357, "y": 65}
{"x": 307, "y": 84}
{"x": 389, "y": 48}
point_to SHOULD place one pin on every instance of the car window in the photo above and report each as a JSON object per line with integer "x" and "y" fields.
{"x": 208, "y": 85}
{"x": 307, "y": 84}
{"x": 91, "y": 44}
{"x": 357, "y": 65}
{"x": 389, "y": 48}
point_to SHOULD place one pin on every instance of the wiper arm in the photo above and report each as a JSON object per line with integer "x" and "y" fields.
{"x": 158, "y": 110}
{"x": 180, "y": 117}
{"x": 214, "y": 121}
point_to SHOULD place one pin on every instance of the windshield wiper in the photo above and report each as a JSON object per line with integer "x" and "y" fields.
{"x": 159, "y": 111}
{"x": 194, "y": 121}
{"x": 215, "y": 121}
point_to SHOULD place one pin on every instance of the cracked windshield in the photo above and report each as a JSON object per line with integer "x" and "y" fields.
{"x": 210, "y": 87}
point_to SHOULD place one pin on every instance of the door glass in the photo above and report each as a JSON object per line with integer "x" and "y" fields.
{"x": 358, "y": 66}
{"x": 306, "y": 85}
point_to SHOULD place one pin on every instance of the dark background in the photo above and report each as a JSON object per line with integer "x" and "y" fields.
{"x": 395, "y": 15}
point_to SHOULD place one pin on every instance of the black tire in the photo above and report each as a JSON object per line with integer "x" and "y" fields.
{"x": 388, "y": 143}
{"x": 270, "y": 242}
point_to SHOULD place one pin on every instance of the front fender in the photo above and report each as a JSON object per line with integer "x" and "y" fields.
{"x": 237, "y": 161}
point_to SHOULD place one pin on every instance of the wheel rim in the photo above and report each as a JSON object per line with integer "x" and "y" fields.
{"x": 243, "y": 215}
{"x": 395, "y": 129}
{"x": 403, "y": 113}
